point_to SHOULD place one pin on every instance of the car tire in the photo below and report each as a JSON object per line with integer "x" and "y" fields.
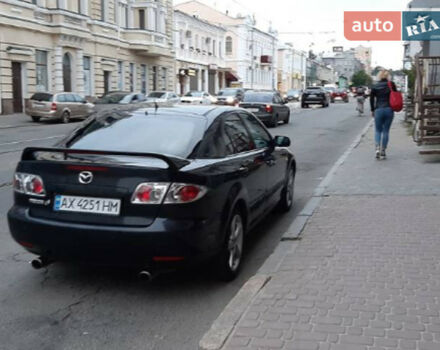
{"x": 36, "y": 119}
{"x": 229, "y": 259}
{"x": 332, "y": 101}
{"x": 287, "y": 194}
{"x": 274, "y": 122}
{"x": 304, "y": 105}
{"x": 65, "y": 117}
{"x": 287, "y": 120}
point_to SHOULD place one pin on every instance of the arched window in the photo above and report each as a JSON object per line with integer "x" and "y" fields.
{"x": 228, "y": 45}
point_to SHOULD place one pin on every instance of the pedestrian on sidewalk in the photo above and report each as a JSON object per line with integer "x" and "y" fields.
{"x": 360, "y": 98}
{"x": 381, "y": 112}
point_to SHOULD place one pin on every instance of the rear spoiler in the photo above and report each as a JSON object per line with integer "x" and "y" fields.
{"x": 173, "y": 163}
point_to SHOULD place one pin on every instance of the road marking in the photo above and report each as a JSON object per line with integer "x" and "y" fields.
{"x": 31, "y": 140}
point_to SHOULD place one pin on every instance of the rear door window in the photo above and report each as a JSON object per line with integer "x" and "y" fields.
{"x": 70, "y": 98}
{"x": 260, "y": 136}
{"x": 61, "y": 98}
{"x": 237, "y": 137}
{"x": 78, "y": 98}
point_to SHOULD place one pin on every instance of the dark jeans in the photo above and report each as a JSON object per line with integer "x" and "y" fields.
{"x": 383, "y": 117}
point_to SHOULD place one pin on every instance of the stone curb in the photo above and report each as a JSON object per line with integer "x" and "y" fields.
{"x": 223, "y": 326}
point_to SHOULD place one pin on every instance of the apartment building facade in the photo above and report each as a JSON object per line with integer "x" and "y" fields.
{"x": 199, "y": 47}
{"x": 292, "y": 65}
{"x": 250, "y": 52}
{"x": 86, "y": 46}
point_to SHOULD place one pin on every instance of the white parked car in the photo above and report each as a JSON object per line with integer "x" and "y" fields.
{"x": 198, "y": 97}
{"x": 163, "y": 96}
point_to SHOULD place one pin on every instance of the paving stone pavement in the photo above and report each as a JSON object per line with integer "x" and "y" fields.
{"x": 366, "y": 274}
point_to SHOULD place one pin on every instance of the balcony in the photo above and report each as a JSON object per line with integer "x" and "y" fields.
{"x": 147, "y": 42}
{"x": 202, "y": 57}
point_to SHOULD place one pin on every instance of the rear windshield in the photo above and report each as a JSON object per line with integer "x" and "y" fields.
{"x": 112, "y": 98}
{"x": 156, "y": 94}
{"x": 42, "y": 96}
{"x": 165, "y": 134}
{"x": 228, "y": 92}
{"x": 194, "y": 94}
{"x": 257, "y": 97}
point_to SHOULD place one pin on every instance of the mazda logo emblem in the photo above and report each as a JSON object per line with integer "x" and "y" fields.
{"x": 85, "y": 177}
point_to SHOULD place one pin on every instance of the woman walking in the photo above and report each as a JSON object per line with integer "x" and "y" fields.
{"x": 381, "y": 112}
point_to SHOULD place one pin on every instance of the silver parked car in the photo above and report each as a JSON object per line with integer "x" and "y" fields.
{"x": 62, "y": 106}
{"x": 163, "y": 96}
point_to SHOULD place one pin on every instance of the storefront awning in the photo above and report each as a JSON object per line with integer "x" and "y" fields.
{"x": 232, "y": 76}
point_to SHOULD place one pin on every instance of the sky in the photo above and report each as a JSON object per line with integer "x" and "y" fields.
{"x": 316, "y": 17}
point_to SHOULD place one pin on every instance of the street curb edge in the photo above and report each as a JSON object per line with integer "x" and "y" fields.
{"x": 220, "y": 330}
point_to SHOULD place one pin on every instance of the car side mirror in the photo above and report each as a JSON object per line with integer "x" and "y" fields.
{"x": 84, "y": 101}
{"x": 282, "y": 141}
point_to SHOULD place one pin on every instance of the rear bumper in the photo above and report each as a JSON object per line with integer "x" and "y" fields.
{"x": 317, "y": 100}
{"x": 264, "y": 117}
{"x": 42, "y": 114}
{"x": 188, "y": 240}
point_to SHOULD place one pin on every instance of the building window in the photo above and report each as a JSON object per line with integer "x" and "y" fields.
{"x": 214, "y": 47}
{"x": 154, "y": 78}
{"x": 142, "y": 19}
{"x": 162, "y": 23}
{"x": 132, "y": 77}
{"x": 228, "y": 45}
{"x": 103, "y": 10}
{"x": 87, "y": 76}
{"x": 164, "y": 78}
{"x": 123, "y": 15}
{"x": 120, "y": 75}
{"x": 143, "y": 78}
{"x": 41, "y": 62}
{"x": 220, "y": 51}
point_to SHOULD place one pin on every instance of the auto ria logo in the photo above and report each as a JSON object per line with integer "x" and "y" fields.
{"x": 392, "y": 25}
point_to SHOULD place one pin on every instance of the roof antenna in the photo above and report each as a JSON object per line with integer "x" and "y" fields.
{"x": 156, "y": 106}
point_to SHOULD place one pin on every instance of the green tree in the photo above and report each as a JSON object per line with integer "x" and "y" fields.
{"x": 361, "y": 78}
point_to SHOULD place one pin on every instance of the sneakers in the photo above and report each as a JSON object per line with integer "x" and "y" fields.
{"x": 380, "y": 153}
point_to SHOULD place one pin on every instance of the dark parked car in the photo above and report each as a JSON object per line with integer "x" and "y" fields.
{"x": 268, "y": 106}
{"x": 293, "y": 95}
{"x": 121, "y": 97}
{"x": 230, "y": 96}
{"x": 146, "y": 202}
{"x": 315, "y": 95}
{"x": 339, "y": 95}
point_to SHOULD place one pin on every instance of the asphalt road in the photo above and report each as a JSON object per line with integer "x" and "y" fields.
{"x": 70, "y": 307}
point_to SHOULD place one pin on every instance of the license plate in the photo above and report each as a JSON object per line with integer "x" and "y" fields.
{"x": 105, "y": 206}
{"x": 312, "y": 95}
{"x": 253, "y": 109}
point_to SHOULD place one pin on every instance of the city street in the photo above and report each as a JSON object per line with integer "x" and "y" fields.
{"x": 70, "y": 307}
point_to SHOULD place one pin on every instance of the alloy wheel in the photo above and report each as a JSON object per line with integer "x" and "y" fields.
{"x": 235, "y": 243}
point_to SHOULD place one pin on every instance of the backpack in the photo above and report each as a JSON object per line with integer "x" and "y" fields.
{"x": 396, "y": 99}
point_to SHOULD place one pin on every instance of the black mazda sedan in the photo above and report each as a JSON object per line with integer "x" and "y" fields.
{"x": 152, "y": 189}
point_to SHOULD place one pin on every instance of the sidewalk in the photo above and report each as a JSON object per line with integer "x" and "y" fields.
{"x": 366, "y": 273}
{"x": 15, "y": 120}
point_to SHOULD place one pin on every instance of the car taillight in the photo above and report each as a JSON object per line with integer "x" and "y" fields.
{"x": 268, "y": 108}
{"x": 149, "y": 193}
{"x": 53, "y": 106}
{"x": 167, "y": 193}
{"x": 29, "y": 184}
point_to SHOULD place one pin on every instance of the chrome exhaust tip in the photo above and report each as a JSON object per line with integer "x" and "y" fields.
{"x": 145, "y": 276}
{"x": 40, "y": 262}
